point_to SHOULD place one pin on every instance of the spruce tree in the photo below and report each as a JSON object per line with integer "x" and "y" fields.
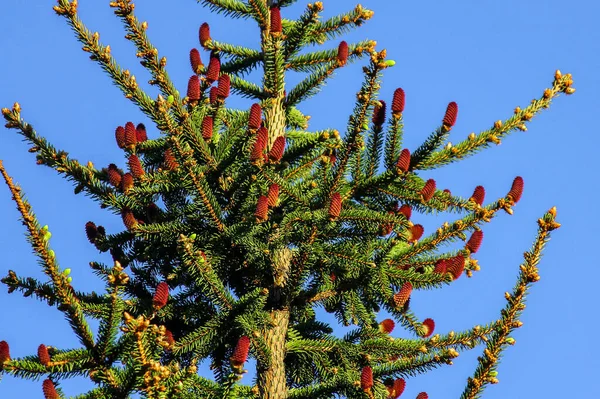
{"x": 241, "y": 225}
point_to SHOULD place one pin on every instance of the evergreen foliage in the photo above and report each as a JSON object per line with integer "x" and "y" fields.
{"x": 241, "y": 224}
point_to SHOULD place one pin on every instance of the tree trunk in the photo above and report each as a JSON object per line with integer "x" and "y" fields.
{"x": 271, "y": 380}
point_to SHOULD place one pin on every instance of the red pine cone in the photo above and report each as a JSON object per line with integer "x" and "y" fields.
{"x": 169, "y": 337}
{"x": 475, "y": 241}
{"x": 207, "y": 128}
{"x": 398, "y": 102}
{"x": 342, "y": 54}
{"x": 430, "y": 326}
{"x": 120, "y": 136}
{"x": 161, "y": 295}
{"x": 402, "y": 296}
{"x": 213, "y": 94}
{"x": 130, "y": 134}
{"x": 366, "y": 378}
{"x": 335, "y": 206}
{"x": 441, "y": 266}
{"x": 332, "y": 157}
{"x": 224, "y": 86}
{"x": 379, "y": 114}
{"x": 478, "y": 195}
{"x": 43, "y": 355}
{"x": 204, "y": 34}
{"x": 447, "y": 191}
{"x": 195, "y": 60}
{"x": 405, "y": 210}
{"x": 277, "y": 149}
{"x": 91, "y": 231}
{"x": 516, "y": 190}
{"x": 129, "y": 219}
{"x": 262, "y": 209}
{"x": 193, "y": 89}
{"x": 4, "y": 352}
{"x": 255, "y": 118}
{"x": 423, "y": 395}
{"x": 240, "y": 353}
{"x": 214, "y": 69}
{"x": 387, "y": 326}
{"x": 403, "y": 160}
{"x": 135, "y": 166}
{"x": 49, "y": 390}
{"x": 126, "y": 182}
{"x": 451, "y": 115}
{"x": 140, "y": 133}
{"x": 260, "y": 144}
{"x": 273, "y": 194}
{"x": 397, "y": 388}
{"x": 169, "y": 160}
{"x": 456, "y": 266}
{"x": 428, "y": 190}
{"x": 416, "y": 232}
{"x": 386, "y": 229}
{"x": 276, "y": 26}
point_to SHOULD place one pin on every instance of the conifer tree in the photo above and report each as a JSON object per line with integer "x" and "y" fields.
{"x": 239, "y": 224}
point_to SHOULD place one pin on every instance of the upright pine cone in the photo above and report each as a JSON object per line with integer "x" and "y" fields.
{"x": 379, "y": 114}
{"x": 169, "y": 160}
{"x": 277, "y": 149}
{"x": 43, "y": 355}
{"x": 49, "y": 390}
{"x": 140, "y": 133}
{"x": 516, "y": 191}
{"x": 204, "y": 34}
{"x": 416, "y": 232}
{"x": 405, "y": 210}
{"x": 255, "y": 118}
{"x": 450, "y": 115}
{"x": 213, "y": 95}
{"x": 276, "y": 27}
{"x": 387, "y": 326}
{"x": 126, "y": 182}
{"x": 403, "y": 160}
{"x": 240, "y": 353}
{"x": 273, "y": 194}
{"x": 342, "y": 54}
{"x": 259, "y": 145}
{"x": 423, "y": 395}
{"x": 366, "y": 378}
{"x": 130, "y": 135}
{"x": 397, "y": 388}
{"x": 441, "y": 266}
{"x": 429, "y": 326}
{"x": 475, "y": 241}
{"x": 214, "y": 69}
{"x": 402, "y": 296}
{"x": 169, "y": 338}
{"x": 428, "y": 190}
{"x": 262, "y": 209}
{"x": 91, "y": 231}
{"x": 335, "y": 206}
{"x": 129, "y": 219}
{"x": 195, "y": 60}
{"x": 478, "y": 195}
{"x": 193, "y": 89}
{"x": 135, "y": 166}
{"x": 120, "y": 136}
{"x": 224, "y": 86}
{"x": 161, "y": 296}
{"x": 4, "y": 352}
{"x": 398, "y": 102}
{"x": 207, "y": 128}
{"x": 456, "y": 266}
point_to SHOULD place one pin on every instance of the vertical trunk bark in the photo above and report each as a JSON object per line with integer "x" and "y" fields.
{"x": 271, "y": 379}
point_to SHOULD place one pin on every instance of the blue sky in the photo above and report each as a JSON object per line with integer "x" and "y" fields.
{"x": 488, "y": 56}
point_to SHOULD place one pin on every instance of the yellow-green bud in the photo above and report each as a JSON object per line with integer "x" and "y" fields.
{"x": 51, "y": 253}
{"x": 45, "y": 228}
{"x": 170, "y": 99}
{"x": 66, "y": 272}
{"x": 47, "y": 236}
{"x": 390, "y": 63}
{"x": 69, "y": 280}
{"x": 193, "y": 236}
{"x": 493, "y": 374}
